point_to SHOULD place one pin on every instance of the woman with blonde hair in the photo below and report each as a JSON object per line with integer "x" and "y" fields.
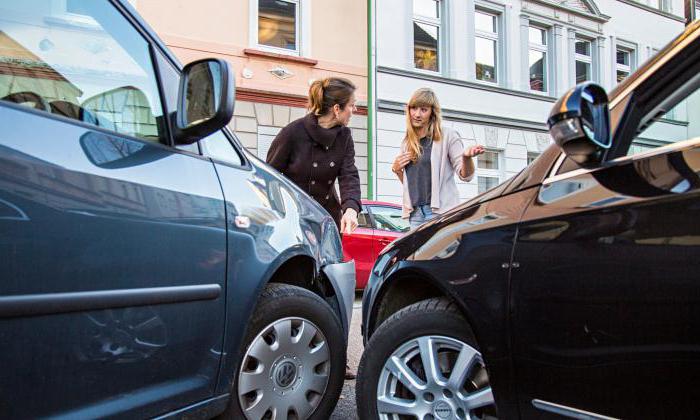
{"x": 431, "y": 155}
{"x": 317, "y": 149}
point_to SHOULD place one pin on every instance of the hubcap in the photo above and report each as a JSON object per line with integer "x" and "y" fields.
{"x": 434, "y": 378}
{"x": 285, "y": 371}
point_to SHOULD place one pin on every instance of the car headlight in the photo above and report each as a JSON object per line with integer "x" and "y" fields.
{"x": 383, "y": 262}
{"x": 331, "y": 249}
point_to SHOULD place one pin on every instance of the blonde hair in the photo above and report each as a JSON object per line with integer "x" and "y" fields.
{"x": 324, "y": 94}
{"x": 423, "y": 97}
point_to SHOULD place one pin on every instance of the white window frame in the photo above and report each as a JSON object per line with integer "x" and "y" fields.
{"x": 547, "y": 50}
{"x": 490, "y": 173}
{"x": 426, "y": 20}
{"x": 632, "y": 51}
{"x": 302, "y": 28}
{"x": 588, "y": 59}
{"x": 531, "y": 156}
{"x": 491, "y": 36}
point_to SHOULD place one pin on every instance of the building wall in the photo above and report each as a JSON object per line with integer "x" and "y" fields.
{"x": 506, "y": 117}
{"x": 257, "y": 124}
{"x": 333, "y": 36}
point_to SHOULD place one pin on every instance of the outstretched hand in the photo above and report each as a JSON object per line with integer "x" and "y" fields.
{"x": 474, "y": 151}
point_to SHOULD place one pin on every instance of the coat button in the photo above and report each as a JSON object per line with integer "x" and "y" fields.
{"x": 330, "y": 182}
{"x": 326, "y": 147}
{"x": 314, "y": 164}
{"x": 313, "y": 182}
{"x": 327, "y": 197}
{"x": 332, "y": 164}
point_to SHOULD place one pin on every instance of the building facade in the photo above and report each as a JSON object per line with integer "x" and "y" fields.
{"x": 499, "y": 66}
{"x": 276, "y": 48}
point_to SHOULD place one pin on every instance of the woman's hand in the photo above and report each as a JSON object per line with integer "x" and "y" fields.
{"x": 474, "y": 151}
{"x": 468, "y": 169}
{"x": 349, "y": 221}
{"x": 400, "y": 162}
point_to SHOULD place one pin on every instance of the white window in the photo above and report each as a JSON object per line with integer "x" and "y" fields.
{"x": 538, "y": 58}
{"x": 488, "y": 160}
{"x": 583, "y": 57}
{"x": 426, "y": 34}
{"x": 485, "y": 183}
{"x": 488, "y": 168}
{"x": 278, "y": 26}
{"x": 486, "y": 46}
{"x": 624, "y": 65}
{"x": 531, "y": 156}
{"x": 665, "y": 6}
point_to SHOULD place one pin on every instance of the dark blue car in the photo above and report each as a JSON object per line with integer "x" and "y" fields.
{"x": 149, "y": 265}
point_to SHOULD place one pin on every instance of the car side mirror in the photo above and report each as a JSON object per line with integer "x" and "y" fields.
{"x": 205, "y": 100}
{"x": 580, "y": 124}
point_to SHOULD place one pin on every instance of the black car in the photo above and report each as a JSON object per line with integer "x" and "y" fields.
{"x": 571, "y": 290}
{"x": 149, "y": 265}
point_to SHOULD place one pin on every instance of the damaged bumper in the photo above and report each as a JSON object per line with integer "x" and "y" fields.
{"x": 342, "y": 277}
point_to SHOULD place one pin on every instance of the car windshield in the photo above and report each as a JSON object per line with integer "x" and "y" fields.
{"x": 389, "y": 218}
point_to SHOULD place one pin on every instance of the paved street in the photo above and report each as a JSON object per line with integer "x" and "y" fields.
{"x": 346, "y": 408}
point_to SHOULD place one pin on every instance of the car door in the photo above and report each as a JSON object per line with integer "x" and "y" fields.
{"x": 358, "y": 246}
{"x": 389, "y": 225}
{"x": 605, "y": 297}
{"x": 113, "y": 244}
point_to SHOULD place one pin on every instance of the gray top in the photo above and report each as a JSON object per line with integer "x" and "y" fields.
{"x": 418, "y": 176}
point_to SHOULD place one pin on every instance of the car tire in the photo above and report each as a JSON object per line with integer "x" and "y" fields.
{"x": 276, "y": 366}
{"x": 399, "y": 342}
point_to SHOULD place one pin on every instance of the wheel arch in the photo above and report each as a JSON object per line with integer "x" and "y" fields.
{"x": 301, "y": 269}
{"x": 404, "y": 288}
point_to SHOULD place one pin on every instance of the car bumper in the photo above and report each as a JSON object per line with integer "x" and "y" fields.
{"x": 342, "y": 277}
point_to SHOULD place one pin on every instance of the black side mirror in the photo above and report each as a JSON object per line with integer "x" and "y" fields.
{"x": 580, "y": 124}
{"x": 205, "y": 100}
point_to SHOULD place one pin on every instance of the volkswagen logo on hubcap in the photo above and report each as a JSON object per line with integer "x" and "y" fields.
{"x": 442, "y": 410}
{"x": 286, "y": 373}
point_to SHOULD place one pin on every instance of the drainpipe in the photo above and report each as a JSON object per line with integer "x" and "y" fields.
{"x": 689, "y": 11}
{"x": 370, "y": 101}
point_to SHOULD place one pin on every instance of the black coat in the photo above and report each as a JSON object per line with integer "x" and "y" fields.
{"x": 314, "y": 157}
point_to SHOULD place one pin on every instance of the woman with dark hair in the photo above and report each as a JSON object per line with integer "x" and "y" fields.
{"x": 317, "y": 149}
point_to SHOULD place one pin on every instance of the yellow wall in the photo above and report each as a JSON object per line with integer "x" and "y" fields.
{"x": 206, "y": 28}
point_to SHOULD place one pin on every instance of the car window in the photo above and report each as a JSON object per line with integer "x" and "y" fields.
{"x": 363, "y": 220}
{"x": 680, "y": 122}
{"x": 661, "y": 127}
{"x": 87, "y": 64}
{"x": 218, "y": 146}
{"x": 170, "y": 80}
{"x": 389, "y": 218}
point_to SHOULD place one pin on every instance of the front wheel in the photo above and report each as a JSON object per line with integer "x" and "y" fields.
{"x": 423, "y": 363}
{"x": 294, "y": 358}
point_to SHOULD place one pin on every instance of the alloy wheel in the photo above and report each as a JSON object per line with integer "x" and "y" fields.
{"x": 285, "y": 371}
{"x": 434, "y": 378}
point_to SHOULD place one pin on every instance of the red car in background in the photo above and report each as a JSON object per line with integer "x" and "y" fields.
{"x": 379, "y": 224}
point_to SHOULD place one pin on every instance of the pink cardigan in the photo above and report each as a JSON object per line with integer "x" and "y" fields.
{"x": 445, "y": 162}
